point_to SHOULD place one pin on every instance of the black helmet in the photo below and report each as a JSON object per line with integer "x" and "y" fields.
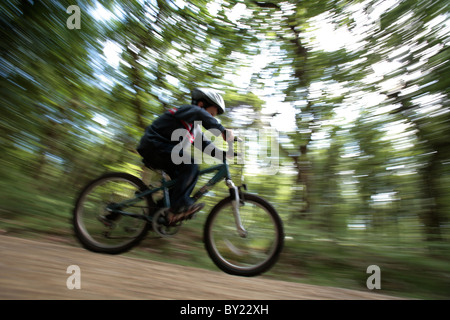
{"x": 210, "y": 96}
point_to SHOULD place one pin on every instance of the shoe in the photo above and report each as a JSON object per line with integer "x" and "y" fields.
{"x": 187, "y": 213}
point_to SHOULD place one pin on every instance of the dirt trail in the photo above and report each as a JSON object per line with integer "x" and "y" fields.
{"x": 38, "y": 270}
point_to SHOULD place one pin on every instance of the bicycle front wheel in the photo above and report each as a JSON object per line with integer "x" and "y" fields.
{"x": 248, "y": 255}
{"x": 98, "y": 229}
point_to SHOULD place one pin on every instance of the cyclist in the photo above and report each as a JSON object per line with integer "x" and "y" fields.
{"x": 159, "y": 151}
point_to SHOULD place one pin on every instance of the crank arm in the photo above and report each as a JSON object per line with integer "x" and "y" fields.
{"x": 234, "y": 192}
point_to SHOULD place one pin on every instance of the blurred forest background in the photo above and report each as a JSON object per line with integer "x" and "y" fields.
{"x": 356, "y": 91}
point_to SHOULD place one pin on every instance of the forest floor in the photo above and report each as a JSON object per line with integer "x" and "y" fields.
{"x": 38, "y": 269}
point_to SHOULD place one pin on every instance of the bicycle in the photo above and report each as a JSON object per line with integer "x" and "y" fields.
{"x": 243, "y": 233}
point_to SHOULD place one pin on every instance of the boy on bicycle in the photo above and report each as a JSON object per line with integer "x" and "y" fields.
{"x": 158, "y": 148}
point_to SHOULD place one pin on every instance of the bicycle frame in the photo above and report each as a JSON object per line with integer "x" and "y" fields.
{"x": 222, "y": 173}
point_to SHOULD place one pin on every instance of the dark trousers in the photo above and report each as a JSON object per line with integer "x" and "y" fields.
{"x": 185, "y": 173}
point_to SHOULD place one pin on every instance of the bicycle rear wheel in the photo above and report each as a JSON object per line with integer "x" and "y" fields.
{"x": 115, "y": 233}
{"x": 250, "y": 255}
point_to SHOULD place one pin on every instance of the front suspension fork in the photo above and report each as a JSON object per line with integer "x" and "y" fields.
{"x": 235, "y": 202}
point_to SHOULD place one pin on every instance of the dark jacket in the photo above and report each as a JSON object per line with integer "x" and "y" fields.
{"x": 158, "y": 136}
